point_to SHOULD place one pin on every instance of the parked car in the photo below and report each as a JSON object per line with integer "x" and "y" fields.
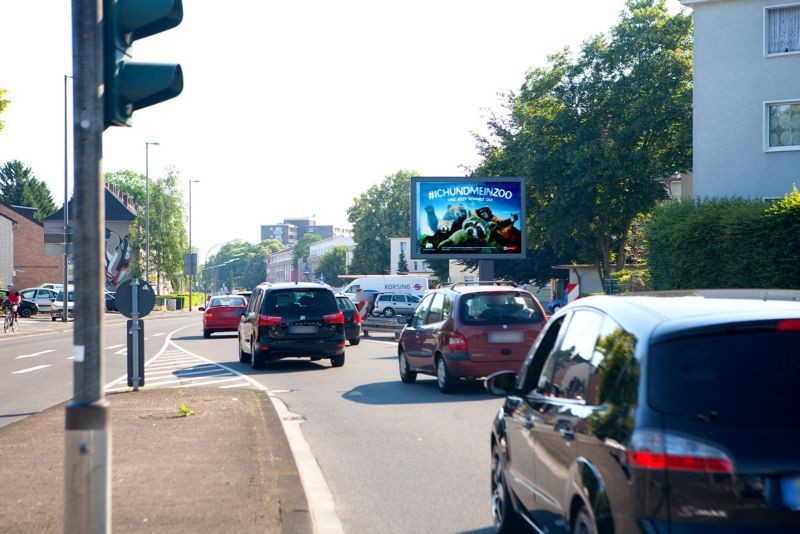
{"x": 57, "y": 305}
{"x": 468, "y": 331}
{"x": 27, "y": 308}
{"x": 389, "y": 304}
{"x": 653, "y": 413}
{"x": 111, "y": 301}
{"x": 352, "y": 319}
{"x": 292, "y": 320}
{"x": 222, "y": 314}
{"x": 42, "y": 296}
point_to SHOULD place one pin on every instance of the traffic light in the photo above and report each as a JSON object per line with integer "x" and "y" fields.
{"x": 130, "y": 86}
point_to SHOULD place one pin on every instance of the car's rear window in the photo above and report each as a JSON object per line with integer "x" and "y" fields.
{"x": 299, "y": 300}
{"x": 730, "y": 379}
{"x": 500, "y": 307}
{"x": 228, "y": 301}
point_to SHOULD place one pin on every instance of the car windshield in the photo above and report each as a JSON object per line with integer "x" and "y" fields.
{"x": 299, "y": 300}
{"x": 507, "y": 307}
{"x": 726, "y": 378}
{"x": 227, "y": 301}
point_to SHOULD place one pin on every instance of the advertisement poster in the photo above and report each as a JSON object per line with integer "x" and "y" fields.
{"x": 467, "y": 218}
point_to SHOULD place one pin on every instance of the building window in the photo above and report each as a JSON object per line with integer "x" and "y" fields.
{"x": 783, "y": 29}
{"x": 403, "y": 246}
{"x": 783, "y": 125}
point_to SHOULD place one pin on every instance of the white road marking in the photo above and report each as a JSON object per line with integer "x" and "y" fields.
{"x": 28, "y": 370}
{"x": 115, "y": 346}
{"x": 318, "y": 494}
{"x": 159, "y": 334}
{"x": 122, "y": 351}
{"x": 21, "y": 356}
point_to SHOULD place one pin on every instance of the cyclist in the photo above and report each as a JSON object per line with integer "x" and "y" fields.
{"x": 11, "y": 306}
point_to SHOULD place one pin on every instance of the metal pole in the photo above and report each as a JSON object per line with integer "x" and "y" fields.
{"x": 147, "y": 207}
{"x": 66, "y": 205}
{"x": 190, "y": 245}
{"x": 87, "y": 465}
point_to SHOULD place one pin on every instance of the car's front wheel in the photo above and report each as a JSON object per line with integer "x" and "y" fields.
{"x": 388, "y": 313}
{"x": 25, "y": 312}
{"x": 504, "y": 516}
{"x": 583, "y": 523}
{"x": 406, "y": 374}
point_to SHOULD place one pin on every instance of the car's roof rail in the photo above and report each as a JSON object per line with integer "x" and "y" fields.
{"x": 484, "y": 283}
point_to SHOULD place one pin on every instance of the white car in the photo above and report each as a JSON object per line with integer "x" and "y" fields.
{"x": 57, "y": 307}
{"x": 391, "y": 304}
{"x": 42, "y": 296}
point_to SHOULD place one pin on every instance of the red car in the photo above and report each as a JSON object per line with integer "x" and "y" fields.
{"x": 222, "y": 314}
{"x": 469, "y": 331}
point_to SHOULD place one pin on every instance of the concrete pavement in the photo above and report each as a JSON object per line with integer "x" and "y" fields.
{"x": 227, "y": 467}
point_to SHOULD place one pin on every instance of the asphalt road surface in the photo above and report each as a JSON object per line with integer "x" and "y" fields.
{"x": 396, "y": 457}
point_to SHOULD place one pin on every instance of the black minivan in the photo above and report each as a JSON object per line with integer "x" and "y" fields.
{"x": 674, "y": 413}
{"x": 291, "y": 320}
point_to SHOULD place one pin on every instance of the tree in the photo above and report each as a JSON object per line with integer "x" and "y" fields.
{"x": 380, "y": 213}
{"x": 3, "y": 105}
{"x": 402, "y": 264}
{"x": 301, "y": 249}
{"x": 593, "y": 136}
{"x": 239, "y": 263}
{"x": 19, "y": 187}
{"x": 132, "y": 183}
{"x": 331, "y": 265}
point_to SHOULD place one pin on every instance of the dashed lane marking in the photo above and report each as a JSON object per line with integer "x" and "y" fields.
{"x": 22, "y": 356}
{"x": 29, "y": 369}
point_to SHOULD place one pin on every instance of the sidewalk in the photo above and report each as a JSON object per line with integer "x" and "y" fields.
{"x": 226, "y": 468}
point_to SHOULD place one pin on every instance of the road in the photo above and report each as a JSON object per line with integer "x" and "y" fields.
{"x": 396, "y": 457}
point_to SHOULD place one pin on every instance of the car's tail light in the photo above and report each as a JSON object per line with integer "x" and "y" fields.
{"x": 788, "y": 325}
{"x": 268, "y": 320}
{"x": 457, "y": 342}
{"x": 334, "y": 318}
{"x": 209, "y": 314}
{"x": 357, "y": 318}
{"x": 653, "y": 449}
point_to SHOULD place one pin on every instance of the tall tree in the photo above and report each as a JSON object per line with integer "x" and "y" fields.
{"x": 132, "y": 183}
{"x": 18, "y": 186}
{"x": 331, "y": 265}
{"x": 380, "y": 213}
{"x": 594, "y": 135}
{"x": 402, "y": 263}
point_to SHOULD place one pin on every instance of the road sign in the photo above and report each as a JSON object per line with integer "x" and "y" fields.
{"x": 145, "y": 298}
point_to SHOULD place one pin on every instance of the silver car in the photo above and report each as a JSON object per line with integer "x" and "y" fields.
{"x": 391, "y": 304}
{"x": 42, "y": 296}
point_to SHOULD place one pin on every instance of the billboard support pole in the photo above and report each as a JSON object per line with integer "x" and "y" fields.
{"x": 485, "y": 270}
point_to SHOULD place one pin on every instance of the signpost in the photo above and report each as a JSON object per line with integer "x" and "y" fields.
{"x": 135, "y": 299}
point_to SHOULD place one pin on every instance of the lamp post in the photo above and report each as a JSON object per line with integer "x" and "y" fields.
{"x": 66, "y": 205}
{"x": 147, "y": 207}
{"x": 191, "y": 263}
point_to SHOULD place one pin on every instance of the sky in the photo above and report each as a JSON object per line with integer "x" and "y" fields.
{"x": 292, "y": 109}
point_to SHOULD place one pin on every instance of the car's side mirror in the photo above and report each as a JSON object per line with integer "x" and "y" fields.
{"x": 501, "y": 383}
{"x": 201, "y": 308}
{"x": 402, "y": 320}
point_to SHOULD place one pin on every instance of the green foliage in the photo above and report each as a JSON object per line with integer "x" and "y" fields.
{"x": 440, "y": 269}
{"x": 301, "y": 249}
{"x": 19, "y": 187}
{"x": 382, "y": 212}
{"x": 3, "y": 105}
{"x": 331, "y": 265}
{"x": 132, "y": 183}
{"x": 238, "y": 264}
{"x": 402, "y": 263}
{"x": 729, "y": 243}
{"x": 594, "y": 134}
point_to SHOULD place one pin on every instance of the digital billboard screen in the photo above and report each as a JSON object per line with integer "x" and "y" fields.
{"x": 467, "y": 218}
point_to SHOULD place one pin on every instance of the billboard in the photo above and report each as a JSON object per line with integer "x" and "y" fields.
{"x": 467, "y": 218}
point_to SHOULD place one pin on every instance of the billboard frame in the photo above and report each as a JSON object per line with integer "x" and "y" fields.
{"x": 414, "y": 252}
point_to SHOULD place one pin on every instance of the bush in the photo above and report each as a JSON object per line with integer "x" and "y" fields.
{"x": 725, "y": 243}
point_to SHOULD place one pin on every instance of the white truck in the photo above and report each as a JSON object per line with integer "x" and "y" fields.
{"x": 416, "y": 285}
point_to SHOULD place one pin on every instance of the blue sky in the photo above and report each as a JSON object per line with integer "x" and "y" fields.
{"x": 292, "y": 109}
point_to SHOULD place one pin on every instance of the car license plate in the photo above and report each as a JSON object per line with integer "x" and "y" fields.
{"x": 303, "y": 329}
{"x": 504, "y": 337}
{"x": 790, "y": 488}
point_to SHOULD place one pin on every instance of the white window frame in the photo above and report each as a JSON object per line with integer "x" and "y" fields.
{"x": 766, "y": 31}
{"x": 765, "y": 126}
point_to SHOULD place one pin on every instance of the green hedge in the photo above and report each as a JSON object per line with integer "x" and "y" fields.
{"x": 725, "y": 243}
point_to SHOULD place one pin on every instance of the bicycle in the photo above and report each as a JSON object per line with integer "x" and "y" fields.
{"x": 12, "y": 318}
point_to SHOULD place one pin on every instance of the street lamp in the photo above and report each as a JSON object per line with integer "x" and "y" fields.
{"x": 191, "y": 263}
{"x": 147, "y": 207}
{"x": 66, "y": 207}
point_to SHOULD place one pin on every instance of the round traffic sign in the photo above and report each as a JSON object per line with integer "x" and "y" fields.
{"x": 145, "y": 298}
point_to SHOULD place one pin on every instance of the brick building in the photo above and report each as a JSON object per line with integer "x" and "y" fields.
{"x": 30, "y": 266}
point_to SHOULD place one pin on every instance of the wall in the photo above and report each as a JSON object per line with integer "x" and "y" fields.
{"x": 6, "y": 251}
{"x": 33, "y": 268}
{"x": 732, "y": 80}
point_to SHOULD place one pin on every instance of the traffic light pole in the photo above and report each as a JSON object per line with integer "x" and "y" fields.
{"x": 87, "y": 495}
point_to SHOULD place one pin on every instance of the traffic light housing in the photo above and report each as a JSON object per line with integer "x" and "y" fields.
{"x": 128, "y": 85}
